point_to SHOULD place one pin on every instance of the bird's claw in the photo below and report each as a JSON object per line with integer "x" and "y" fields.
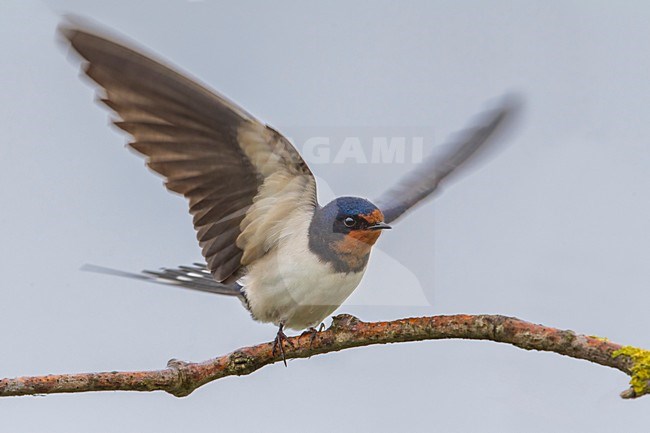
{"x": 313, "y": 332}
{"x": 278, "y": 344}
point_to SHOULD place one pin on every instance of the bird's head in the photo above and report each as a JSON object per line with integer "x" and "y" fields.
{"x": 344, "y": 231}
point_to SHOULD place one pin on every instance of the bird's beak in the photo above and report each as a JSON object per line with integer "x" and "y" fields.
{"x": 379, "y": 226}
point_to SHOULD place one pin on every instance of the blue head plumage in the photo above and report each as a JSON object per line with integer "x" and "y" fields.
{"x": 343, "y": 231}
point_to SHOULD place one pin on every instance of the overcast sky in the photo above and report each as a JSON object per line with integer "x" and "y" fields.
{"x": 555, "y": 230}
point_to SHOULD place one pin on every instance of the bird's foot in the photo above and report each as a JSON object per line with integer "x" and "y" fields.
{"x": 278, "y": 343}
{"x": 313, "y": 332}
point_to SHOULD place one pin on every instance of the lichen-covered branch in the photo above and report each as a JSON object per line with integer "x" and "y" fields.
{"x": 181, "y": 378}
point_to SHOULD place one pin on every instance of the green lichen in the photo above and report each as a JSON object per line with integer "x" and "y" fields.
{"x": 603, "y": 339}
{"x": 640, "y": 367}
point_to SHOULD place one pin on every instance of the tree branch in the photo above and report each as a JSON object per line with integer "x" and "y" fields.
{"x": 181, "y": 378}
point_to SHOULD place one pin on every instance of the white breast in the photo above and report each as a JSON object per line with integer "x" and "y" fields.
{"x": 291, "y": 285}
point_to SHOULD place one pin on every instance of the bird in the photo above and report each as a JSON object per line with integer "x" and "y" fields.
{"x": 264, "y": 236}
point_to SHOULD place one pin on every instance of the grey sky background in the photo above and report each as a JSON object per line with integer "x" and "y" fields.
{"x": 555, "y": 230}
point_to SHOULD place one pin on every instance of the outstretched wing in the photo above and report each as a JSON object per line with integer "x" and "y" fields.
{"x": 240, "y": 176}
{"x": 428, "y": 177}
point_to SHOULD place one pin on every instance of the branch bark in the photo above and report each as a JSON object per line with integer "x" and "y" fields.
{"x": 181, "y": 378}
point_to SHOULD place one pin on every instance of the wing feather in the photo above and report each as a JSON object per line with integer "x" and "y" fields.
{"x": 465, "y": 147}
{"x": 210, "y": 150}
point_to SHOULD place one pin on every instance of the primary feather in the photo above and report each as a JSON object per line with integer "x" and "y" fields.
{"x": 236, "y": 172}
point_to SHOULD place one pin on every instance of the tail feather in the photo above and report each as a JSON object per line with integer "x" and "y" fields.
{"x": 195, "y": 277}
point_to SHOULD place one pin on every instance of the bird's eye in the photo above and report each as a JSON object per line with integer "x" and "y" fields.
{"x": 349, "y": 222}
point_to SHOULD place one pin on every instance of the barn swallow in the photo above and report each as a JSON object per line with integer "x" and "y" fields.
{"x": 264, "y": 237}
